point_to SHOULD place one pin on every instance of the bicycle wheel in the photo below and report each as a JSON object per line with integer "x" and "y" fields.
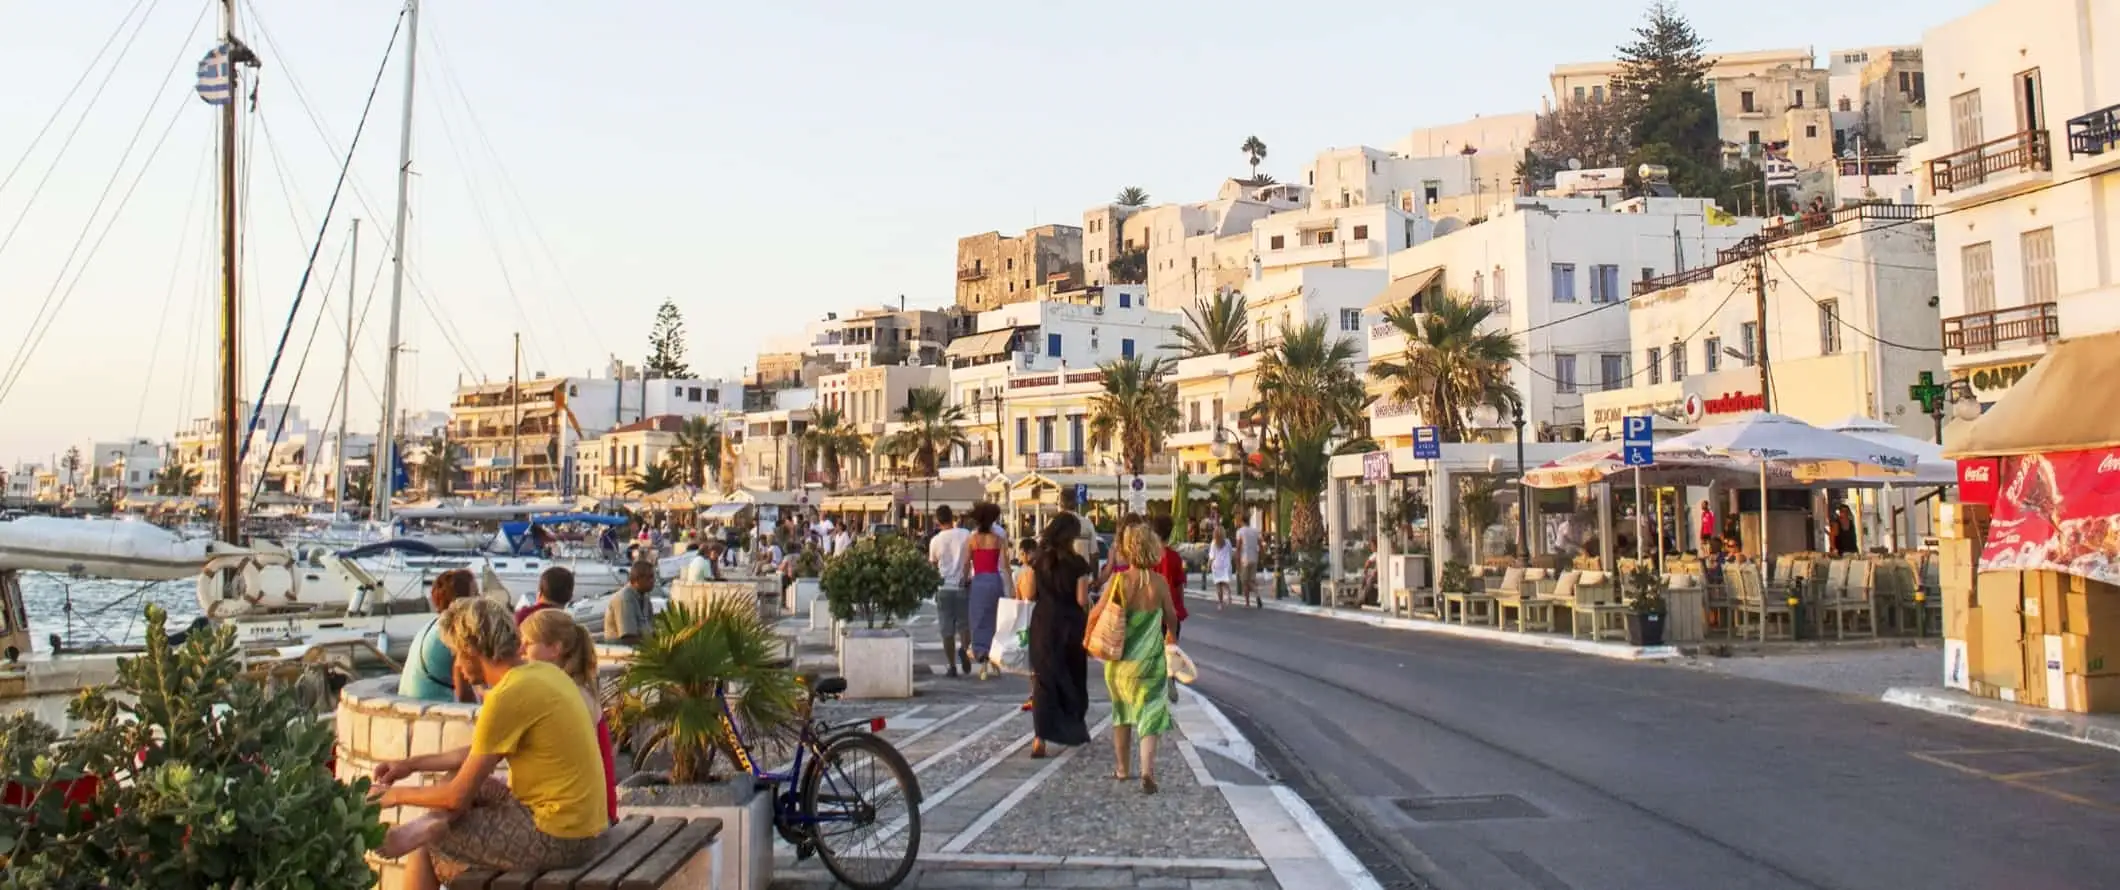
{"x": 863, "y": 803}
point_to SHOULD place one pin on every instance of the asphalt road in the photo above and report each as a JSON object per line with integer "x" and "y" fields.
{"x": 1585, "y": 773}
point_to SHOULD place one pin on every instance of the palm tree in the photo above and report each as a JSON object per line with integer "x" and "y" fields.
{"x": 830, "y": 441}
{"x": 1450, "y": 365}
{"x": 670, "y": 700}
{"x": 934, "y": 427}
{"x": 1214, "y": 326}
{"x": 360, "y": 486}
{"x": 1138, "y": 408}
{"x": 1131, "y": 196}
{"x": 698, "y": 450}
{"x": 1310, "y": 396}
{"x": 441, "y": 466}
{"x": 177, "y": 482}
{"x": 1257, "y": 151}
{"x": 661, "y": 477}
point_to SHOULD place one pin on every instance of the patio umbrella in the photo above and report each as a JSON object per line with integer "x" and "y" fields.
{"x": 1674, "y": 467}
{"x": 1930, "y": 466}
{"x": 1810, "y": 453}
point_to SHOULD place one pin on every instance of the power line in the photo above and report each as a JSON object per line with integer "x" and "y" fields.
{"x": 70, "y": 91}
{"x": 1841, "y": 321}
{"x": 1710, "y": 319}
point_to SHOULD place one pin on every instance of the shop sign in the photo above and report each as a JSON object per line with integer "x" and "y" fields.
{"x": 1977, "y": 478}
{"x": 1727, "y": 403}
{"x": 1616, "y": 416}
{"x": 1376, "y": 467}
{"x": 1989, "y": 383}
{"x": 2059, "y": 512}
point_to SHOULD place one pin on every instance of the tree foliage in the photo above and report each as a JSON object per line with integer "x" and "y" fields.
{"x": 1451, "y": 365}
{"x": 698, "y": 451}
{"x": 670, "y": 698}
{"x": 881, "y": 578}
{"x": 1129, "y": 266}
{"x": 1137, "y": 409}
{"x": 1255, "y": 151}
{"x": 1214, "y": 326}
{"x": 666, "y": 345}
{"x": 1131, "y": 196}
{"x": 203, "y": 777}
{"x": 1595, "y": 134}
{"x": 829, "y": 441}
{"x": 661, "y": 477}
{"x": 933, "y": 427}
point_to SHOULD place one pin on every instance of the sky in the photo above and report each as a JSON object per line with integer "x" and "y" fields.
{"x": 760, "y": 164}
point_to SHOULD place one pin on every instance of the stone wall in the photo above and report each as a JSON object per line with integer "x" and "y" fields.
{"x": 375, "y": 724}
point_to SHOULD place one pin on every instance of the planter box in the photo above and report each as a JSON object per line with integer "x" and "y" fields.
{"x": 820, "y": 614}
{"x": 697, "y": 594}
{"x": 877, "y": 663}
{"x": 743, "y": 853}
{"x": 803, "y": 594}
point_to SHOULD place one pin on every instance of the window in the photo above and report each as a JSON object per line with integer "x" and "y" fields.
{"x": 1678, "y": 361}
{"x": 1810, "y": 131}
{"x": 1501, "y": 290}
{"x": 1711, "y": 354}
{"x": 1752, "y": 137}
{"x": 1906, "y": 82}
{"x": 1604, "y": 284}
{"x": 1372, "y": 165}
{"x": 1052, "y": 344}
{"x": 1799, "y": 100}
{"x": 1611, "y": 371}
{"x": 1431, "y": 190}
{"x": 1580, "y": 93}
{"x": 1563, "y": 373}
{"x": 1126, "y": 300}
{"x": 1648, "y": 272}
{"x": 1012, "y": 264}
{"x": 1325, "y": 237}
{"x": 1979, "y": 263}
{"x": 1744, "y": 101}
{"x": 1045, "y": 434}
{"x": 1361, "y": 233}
{"x": 1564, "y": 282}
{"x": 1126, "y": 347}
{"x": 1275, "y": 242}
{"x": 1846, "y": 105}
{"x": 1350, "y": 320}
{"x": 2040, "y": 283}
{"x": 1479, "y": 286}
{"x": 2031, "y": 102}
{"x": 1597, "y": 94}
{"x": 693, "y": 394}
{"x": 1829, "y": 327}
{"x": 1653, "y": 361}
{"x": 1023, "y": 435}
{"x": 1965, "y": 120}
{"x": 1750, "y": 332}
{"x": 1921, "y": 91}
{"x": 1218, "y": 416}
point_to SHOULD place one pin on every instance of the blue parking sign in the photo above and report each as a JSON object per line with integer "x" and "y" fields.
{"x": 1081, "y": 493}
{"x": 1427, "y": 443}
{"x": 1640, "y": 455}
{"x": 1638, "y": 442}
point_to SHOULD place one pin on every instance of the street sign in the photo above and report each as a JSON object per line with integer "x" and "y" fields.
{"x": 1081, "y": 493}
{"x": 1427, "y": 443}
{"x": 1137, "y": 495}
{"x": 1376, "y": 467}
{"x": 1638, "y": 440}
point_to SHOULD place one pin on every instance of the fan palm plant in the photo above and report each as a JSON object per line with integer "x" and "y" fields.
{"x": 1256, "y": 151}
{"x": 1131, "y": 196}
{"x": 829, "y": 441}
{"x": 698, "y": 450}
{"x": 1214, "y": 326}
{"x": 1137, "y": 409}
{"x": 692, "y": 660}
{"x": 1451, "y": 365}
{"x": 661, "y": 477}
{"x": 934, "y": 426}
{"x": 441, "y": 466}
{"x": 1308, "y": 384}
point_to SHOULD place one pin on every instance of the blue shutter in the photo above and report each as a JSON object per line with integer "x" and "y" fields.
{"x": 1052, "y": 344}
{"x": 1126, "y": 349}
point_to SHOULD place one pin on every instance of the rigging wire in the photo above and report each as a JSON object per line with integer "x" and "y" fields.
{"x": 302, "y": 287}
{"x": 300, "y": 366}
{"x": 500, "y": 259}
{"x": 90, "y": 68}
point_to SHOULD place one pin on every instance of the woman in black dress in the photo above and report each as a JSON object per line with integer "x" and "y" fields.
{"x": 1059, "y": 618}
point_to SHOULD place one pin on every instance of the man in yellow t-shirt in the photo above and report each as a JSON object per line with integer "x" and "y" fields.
{"x": 552, "y": 810}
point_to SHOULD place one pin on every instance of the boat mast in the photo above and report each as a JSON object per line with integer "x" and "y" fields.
{"x": 515, "y": 447}
{"x": 385, "y": 451}
{"x": 338, "y": 476}
{"x": 231, "y": 480}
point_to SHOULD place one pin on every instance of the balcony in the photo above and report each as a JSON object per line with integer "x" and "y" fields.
{"x": 1674, "y": 279}
{"x": 1804, "y": 224}
{"x": 2017, "y": 326}
{"x": 2027, "y": 152}
{"x": 971, "y": 273}
{"x": 2095, "y": 133}
{"x": 1338, "y": 253}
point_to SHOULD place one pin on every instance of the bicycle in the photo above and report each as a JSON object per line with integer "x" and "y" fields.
{"x": 819, "y": 791}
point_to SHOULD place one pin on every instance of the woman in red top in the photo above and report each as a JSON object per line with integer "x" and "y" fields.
{"x": 1173, "y": 570}
{"x": 552, "y": 636}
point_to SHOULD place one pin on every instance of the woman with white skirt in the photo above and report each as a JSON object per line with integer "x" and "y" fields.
{"x": 1221, "y": 557}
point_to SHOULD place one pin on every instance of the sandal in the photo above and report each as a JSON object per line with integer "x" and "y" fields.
{"x": 1148, "y": 784}
{"x": 1038, "y": 751}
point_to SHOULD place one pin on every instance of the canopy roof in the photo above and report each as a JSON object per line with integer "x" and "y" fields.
{"x": 1402, "y": 291}
{"x": 2066, "y": 402}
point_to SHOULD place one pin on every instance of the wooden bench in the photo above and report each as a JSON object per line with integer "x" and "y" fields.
{"x": 639, "y": 853}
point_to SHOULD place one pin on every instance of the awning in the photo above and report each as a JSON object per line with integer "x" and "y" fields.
{"x": 1402, "y": 291}
{"x": 982, "y": 343}
{"x": 724, "y": 511}
{"x": 2066, "y": 402}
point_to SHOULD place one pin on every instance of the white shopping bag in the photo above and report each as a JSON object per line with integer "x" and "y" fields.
{"x": 1181, "y": 665}
{"x": 1010, "y": 650}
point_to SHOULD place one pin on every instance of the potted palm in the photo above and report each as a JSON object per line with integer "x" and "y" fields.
{"x": 1645, "y": 605}
{"x": 878, "y": 581}
{"x": 698, "y": 665}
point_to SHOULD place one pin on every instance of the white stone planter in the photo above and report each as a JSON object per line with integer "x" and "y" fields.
{"x": 877, "y": 663}
{"x": 374, "y": 724}
{"x": 820, "y": 614}
{"x": 805, "y": 593}
{"x": 697, "y": 594}
{"x": 744, "y": 851}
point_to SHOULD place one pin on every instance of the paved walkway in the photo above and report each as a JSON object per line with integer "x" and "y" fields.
{"x": 993, "y": 817}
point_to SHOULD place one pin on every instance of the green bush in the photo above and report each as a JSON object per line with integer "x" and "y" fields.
{"x": 208, "y": 779}
{"x": 1645, "y": 589}
{"x": 1457, "y": 578}
{"x": 881, "y": 578}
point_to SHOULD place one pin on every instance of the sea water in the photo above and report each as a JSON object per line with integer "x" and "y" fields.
{"x": 102, "y": 611}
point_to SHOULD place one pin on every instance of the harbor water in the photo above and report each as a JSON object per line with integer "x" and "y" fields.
{"x": 94, "y": 611}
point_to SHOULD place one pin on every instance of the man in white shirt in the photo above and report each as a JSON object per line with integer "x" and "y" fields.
{"x": 948, "y": 551}
{"x": 1248, "y": 562}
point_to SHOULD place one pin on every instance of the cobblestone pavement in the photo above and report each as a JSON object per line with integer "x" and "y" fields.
{"x": 1863, "y": 672}
{"x": 993, "y": 817}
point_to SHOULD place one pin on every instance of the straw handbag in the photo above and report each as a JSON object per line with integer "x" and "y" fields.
{"x": 1106, "y": 639}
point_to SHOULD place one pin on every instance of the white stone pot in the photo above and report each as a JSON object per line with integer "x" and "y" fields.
{"x": 805, "y": 593}
{"x": 820, "y": 614}
{"x": 877, "y": 663}
{"x": 743, "y": 853}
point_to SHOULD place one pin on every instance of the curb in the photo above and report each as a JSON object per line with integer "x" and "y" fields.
{"x": 1281, "y": 846}
{"x": 2084, "y": 729}
{"x": 1617, "y": 651}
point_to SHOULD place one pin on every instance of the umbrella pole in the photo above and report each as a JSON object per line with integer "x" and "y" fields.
{"x": 1764, "y": 549}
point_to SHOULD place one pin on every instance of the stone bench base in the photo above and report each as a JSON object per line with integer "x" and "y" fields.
{"x": 639, "y": 853}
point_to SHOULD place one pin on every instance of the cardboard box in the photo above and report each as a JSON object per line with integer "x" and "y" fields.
{"x": 1975, "y": 647}
{"x": 1957, "y": 561}
{"x": 2091, "y": 656}
{"x": 2000, "y": 662}
{"x": 2093, "y": 695}
{"x": 1957, "y": 671}
{"x": 1999, "y": 591}
{"x": 2092, "y": 614}
{"x": 2044, "y": 611}
{"x": 1957, "y": 612}
{"x": 2080, "y": 584}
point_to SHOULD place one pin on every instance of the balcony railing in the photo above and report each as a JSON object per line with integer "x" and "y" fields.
{"x": 970, "y": 273}
{"x": 2095, "y": 133}
{"x": 2029, "y": 150}
{"x": 1674, "y": 279}
{"x": 2000, "y": 328}
{"x": 1383, "y": 329}
{"x": 1812, "y": 222}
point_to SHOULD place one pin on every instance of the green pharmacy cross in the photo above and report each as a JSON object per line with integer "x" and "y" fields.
{"x": 1928, "y": 392}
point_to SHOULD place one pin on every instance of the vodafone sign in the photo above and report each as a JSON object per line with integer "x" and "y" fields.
{"x": 1697, "y": 407}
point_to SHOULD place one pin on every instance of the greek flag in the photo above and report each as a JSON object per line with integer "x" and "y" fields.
{"x": 216, "y": 81}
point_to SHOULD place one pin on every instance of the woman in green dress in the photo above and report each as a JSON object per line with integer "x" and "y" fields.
{"x": 1139, "y": 683}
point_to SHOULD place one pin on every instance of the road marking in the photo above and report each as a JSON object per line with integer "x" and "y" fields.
{"x": 941, "y": 797}
{"x": 960, "y": 744}
{"x": 933, "y": 726}
{"x": 1039, "y": 859}
{"x": 2018, "y": 780}
{"x": 994, "y": 813}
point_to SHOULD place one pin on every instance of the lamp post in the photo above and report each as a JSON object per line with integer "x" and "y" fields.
{"x": 1280, "y": 534}
{"x": 1523, "y": 506}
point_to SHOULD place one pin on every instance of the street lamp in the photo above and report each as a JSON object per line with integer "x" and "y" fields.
{"x": 1523, "y": 505}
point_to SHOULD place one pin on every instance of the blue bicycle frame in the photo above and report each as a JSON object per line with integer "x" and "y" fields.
{"x": 815, "y": 735}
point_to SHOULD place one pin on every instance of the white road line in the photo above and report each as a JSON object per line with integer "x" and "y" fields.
{"x": 1039, "y": 859}
{"x": 931, "y": 728}
{"x": 941, "y": 797}
{"x": 960, "y": 744}
{"x": 994, "y": 813}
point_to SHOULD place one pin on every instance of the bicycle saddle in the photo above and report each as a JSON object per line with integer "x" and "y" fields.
{"x": 832, "y": 686}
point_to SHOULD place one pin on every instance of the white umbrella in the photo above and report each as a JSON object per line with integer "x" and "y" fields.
{"x": 1813, "y": 454}
{"x": 1930, "y": 466}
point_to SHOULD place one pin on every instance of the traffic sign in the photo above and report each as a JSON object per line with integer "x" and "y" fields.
{"x": 1638, "y": 440}
{"x": 1137, "y": 495}
{"x": 1081, "y": 493}
{"x": 1427, "y": 443}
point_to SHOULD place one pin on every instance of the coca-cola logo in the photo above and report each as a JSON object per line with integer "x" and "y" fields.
{"x": 2110, "y": 463}
{"x": 1979, "y": 474}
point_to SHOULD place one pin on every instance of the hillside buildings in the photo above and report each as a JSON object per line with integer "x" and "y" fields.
{"x": 995, "y": 270}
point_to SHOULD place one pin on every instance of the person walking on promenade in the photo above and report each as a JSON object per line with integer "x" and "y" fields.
{"x": 1025, "y": 587}
{"x": 553, "y": 637}
{"x": 947, "y": 551}
{"x": 1221, "y": 567}
{"x": 626, "y": 616}
{"x": 1059, "y": 617}
{"x": 988, "y": 550}
{"x": 1248, "y": 563}
{"x": 1138, "y": 681}
{"x": 550, "y": 813}
{"x": 430, "y": 670}
{"x": 555, "y": 589}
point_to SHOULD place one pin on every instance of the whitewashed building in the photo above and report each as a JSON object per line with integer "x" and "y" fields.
{"x": 2024, "y": 126}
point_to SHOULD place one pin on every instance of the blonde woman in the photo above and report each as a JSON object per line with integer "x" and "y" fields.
{"x": 553, "y": 637}
{"x": 1139, "y": 682}
{"x": 549, "y": 814}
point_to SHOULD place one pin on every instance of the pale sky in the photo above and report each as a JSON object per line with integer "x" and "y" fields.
{"x": 761, "y": 163}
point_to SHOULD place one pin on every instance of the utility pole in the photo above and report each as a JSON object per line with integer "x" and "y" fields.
{"x": 1759, "y": 308}
{"x": 515, "y": 446}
